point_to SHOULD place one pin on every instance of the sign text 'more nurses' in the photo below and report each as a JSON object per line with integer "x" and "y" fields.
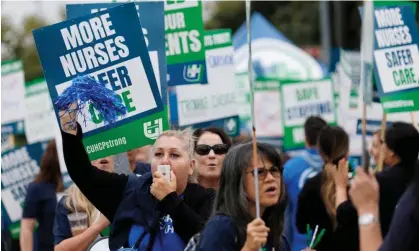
{"x": 103, "y": 45}
{"x": 397, "y": 58}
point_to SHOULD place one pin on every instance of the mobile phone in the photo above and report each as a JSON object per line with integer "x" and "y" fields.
{"x": 165, "y": 170}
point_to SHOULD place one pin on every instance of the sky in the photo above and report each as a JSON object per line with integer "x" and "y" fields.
{"x": 17, "y": 10}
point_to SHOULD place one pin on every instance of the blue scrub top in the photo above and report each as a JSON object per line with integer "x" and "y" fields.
{"x": 40, "y": 203}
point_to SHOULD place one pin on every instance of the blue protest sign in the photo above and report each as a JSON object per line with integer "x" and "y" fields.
{"x": 372, "y": 126}
{"x": 396, "y": 57}
{"x": 19, "y": 168}
{"x": 108, "y": 45}
{"x": 151, "y": 15}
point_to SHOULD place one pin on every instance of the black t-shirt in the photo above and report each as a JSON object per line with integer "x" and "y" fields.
{"x": 40, "y": 203}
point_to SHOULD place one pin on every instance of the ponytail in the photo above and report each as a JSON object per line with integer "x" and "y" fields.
{"x": 328, "y": 191}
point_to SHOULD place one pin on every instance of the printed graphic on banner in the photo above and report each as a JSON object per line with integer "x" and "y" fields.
{"x": 243, "y": 102}
{"x": 185, "y": 48}
{"x": 396, "y": 58}
{"x": 39, "y": 116}
{"x": 304, "y": 99}
{"x": 213, "y": 103}
{"x": 103, "y": 45}
{"x": 12, "y": 91}
{"x": 268, "y": 104}
{"x": 19, "y": 168}
{"x": 268, "y": 108}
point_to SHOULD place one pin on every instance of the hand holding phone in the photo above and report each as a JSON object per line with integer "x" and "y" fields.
{"x": 165, "y": 171}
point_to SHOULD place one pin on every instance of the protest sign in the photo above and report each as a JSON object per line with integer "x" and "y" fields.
{"x": 212, "y": 104}
{"x": 39, "y": 116}
{"x": 268, "y": 117}
{"x": 19, "y": 168}
{"x": 12, "y": 94}
{"x": 185, "y": 48}
{"x": 151, "y": 15}
{"x": 396, "y": 58}
{"x": 108, "y": 45}
{"x": 303, "y": 99}
{"x": 243, "y": 102}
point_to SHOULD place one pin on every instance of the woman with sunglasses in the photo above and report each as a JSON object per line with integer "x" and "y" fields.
{"x": 323, "y": 193}
{"x": 234, "y": 225}
{"x": 211, "y": 145}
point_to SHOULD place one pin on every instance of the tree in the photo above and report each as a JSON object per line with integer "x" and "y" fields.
{"x": 18, "y": 43}
{"x": 297, "y": 20}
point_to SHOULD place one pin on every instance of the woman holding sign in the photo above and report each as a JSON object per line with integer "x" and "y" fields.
{"x": 77, "y": 222}
{"x": 233, "y": 226}
{"x": 160, "y": 210}
{"x": 40, "y": 203}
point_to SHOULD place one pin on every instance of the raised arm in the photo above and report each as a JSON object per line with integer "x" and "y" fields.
{"x": 103, "y": 189}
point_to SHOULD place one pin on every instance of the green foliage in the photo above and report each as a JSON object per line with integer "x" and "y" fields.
{"x": 18, "y": 42}
{"x": 297, "y": 20}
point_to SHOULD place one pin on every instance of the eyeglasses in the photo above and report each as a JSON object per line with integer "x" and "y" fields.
{"x": 263, "y": 172}
{"x": 205, "y": 149}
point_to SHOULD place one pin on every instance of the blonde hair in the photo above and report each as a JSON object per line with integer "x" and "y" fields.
{"x": 333, "y": 144}
{"x": 328, "y": 192}
{"x": 77, "y": 202}
{"x": 183, "y": 135}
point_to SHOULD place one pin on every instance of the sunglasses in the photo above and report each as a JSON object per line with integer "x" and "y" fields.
{"x": 205, "y": 149}
{"x": 263, "y": 172}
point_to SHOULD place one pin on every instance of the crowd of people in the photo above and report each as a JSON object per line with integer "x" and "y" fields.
{"x": 316, "y": 200}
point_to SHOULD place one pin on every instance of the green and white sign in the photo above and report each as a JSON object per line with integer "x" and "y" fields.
{"x": 12, "y": 92}
{"x": 185, "y": 50}
{"x": 268, "y": 119}
{"x": 301, "y": 100}
{"x": 212, "y": 104}
{"x": 396, "y": 57}
{"x": 39, "y": 115}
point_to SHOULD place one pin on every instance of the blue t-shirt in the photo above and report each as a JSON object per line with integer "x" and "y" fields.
{"x": 40, "y": 203}
{"x": 220, "y": 234}
{"x": 296, "y": 171}
{"x": 62, "y": 229}
{"x": 166, "y": 238}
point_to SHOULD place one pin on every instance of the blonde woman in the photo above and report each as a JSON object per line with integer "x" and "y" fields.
{"x": 66, "y": 238}
{"x": 148, "y": 212}
{"x": 322, "y": 194}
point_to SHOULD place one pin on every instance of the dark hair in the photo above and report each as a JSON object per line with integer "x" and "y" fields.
{"x": 312, "y": 127}
{"x": 333, "y": 145}
{"x": 232, "y": 198}
{"x": 220, "y": 132}
{"x": 50, "y": 167}
{"x": 403, "y": 139}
